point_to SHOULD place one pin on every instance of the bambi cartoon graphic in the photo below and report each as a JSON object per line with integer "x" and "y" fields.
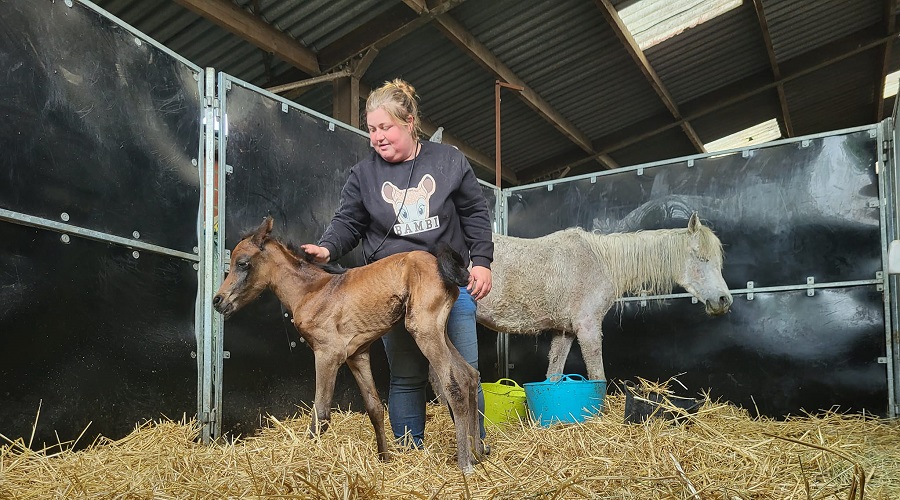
{"x": 411, "y": 206}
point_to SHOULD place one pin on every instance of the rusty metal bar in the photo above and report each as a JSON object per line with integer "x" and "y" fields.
{"x": 497, "y": 85}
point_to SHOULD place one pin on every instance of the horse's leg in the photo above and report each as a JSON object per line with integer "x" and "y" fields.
{"x": 361, "y": 368}
{"x": 458, "y": 380}
{"x": 590, "y": 338}
{"x": 327, "y": 365}
{"x": 560, "y": 346}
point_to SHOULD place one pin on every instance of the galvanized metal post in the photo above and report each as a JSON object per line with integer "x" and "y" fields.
{"x": 207, "y": 404}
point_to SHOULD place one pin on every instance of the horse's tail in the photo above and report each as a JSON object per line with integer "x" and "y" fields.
{"x": 451, "y": 266}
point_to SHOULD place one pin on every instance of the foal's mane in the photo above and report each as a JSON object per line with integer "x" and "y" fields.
{"x": 648, "y": 260}
{"x": 294, "y": 250}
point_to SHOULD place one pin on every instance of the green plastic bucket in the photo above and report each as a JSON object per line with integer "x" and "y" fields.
{"x": 564, "y": 399}
{"x": 504, "y": 401}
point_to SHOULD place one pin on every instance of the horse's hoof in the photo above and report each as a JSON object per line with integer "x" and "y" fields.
{"x": 384, "y": 456}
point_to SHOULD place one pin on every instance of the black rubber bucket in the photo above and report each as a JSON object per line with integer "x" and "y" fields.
{"x": 641, "y": 405}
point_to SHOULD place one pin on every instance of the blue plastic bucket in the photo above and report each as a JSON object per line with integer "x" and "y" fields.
{"x": 564, "y": 399}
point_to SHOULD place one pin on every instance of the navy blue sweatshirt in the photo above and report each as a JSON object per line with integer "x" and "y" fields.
{"x": 441, "y": 201}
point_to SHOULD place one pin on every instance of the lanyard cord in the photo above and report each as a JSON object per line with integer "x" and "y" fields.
{"x": 396, "y": 217}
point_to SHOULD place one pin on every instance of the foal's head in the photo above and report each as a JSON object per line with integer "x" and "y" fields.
{"x": 251, "y": 271}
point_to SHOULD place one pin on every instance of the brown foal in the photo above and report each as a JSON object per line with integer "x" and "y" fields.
{"x": 341, "y": 315}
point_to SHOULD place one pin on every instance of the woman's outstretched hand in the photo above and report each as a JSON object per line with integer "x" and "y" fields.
{"x": 479, "y": 282}
{"x": 320, "y": 255}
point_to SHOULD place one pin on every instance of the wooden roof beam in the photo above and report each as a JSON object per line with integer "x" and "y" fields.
{"x": 637, "y": 55}
{"x": 383, "y": 30}
{"x": 776, "y": 71}
{"x": 457, "y": 34}
{"x": 256, "y": 31}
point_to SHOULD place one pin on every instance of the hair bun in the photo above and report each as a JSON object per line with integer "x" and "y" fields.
{"x": 405, "y": 87}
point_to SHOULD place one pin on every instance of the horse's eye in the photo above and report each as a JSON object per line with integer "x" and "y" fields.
{"x": 243, "y": 264}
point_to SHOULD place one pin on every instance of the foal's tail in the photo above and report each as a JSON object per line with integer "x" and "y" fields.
{"x": 451, "y": 266}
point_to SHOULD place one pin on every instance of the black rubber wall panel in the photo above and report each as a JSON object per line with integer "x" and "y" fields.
{"x": 103, "y": 128}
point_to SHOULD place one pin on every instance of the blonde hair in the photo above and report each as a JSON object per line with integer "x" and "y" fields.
{"x": 398, "y": 99}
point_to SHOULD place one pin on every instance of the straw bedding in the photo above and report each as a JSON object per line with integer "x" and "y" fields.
{"x": 721, "y": 452}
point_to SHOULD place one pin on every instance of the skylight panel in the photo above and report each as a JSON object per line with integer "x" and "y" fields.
{"x": 653, "y": 21}
{"x": 757, "y": 134}
{"x": 891, "y": 84}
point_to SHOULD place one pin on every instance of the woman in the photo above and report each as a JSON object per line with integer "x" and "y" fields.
{"x": 409, "y": 196}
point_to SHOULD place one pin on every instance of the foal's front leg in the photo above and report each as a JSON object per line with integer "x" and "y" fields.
{"x": 327, "y": 365}
{"x": 361, "y": 368}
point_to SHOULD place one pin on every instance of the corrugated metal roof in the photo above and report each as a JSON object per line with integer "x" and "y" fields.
{"x": 846, "y": 101}
{"x": 718, "y": 72}
{"x": 797, "y": 27}
{"x": 718, "y": 52}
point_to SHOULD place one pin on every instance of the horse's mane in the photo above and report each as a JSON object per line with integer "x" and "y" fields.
{"x": 649, "y": 260}
{"x": 298, "y": 253}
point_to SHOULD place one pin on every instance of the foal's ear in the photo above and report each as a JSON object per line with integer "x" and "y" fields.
{"x": 262, "y": 232}
{"x": 694, "y": 224}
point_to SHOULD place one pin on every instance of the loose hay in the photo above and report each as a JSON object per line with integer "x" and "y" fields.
{"x": 719, "y": 453}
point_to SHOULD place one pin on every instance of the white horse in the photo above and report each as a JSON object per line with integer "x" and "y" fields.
{"x": 568, "y": 280}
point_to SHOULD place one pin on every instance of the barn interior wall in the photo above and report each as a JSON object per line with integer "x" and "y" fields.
{"x": 99, "y": 196}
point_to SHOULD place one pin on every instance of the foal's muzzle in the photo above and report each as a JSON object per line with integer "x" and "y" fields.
{"x": 222, "y": 306}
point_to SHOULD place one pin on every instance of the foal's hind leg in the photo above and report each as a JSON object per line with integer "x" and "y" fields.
{"x": 361, "y": 368}
{"x": 459, "y": 382}
{"x": 560, "y": 345}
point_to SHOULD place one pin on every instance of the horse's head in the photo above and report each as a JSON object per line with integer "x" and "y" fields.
{"x": 250, "y": 272}
{"x": 702, "y": 276}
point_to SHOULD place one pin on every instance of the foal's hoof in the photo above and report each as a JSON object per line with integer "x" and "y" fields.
{"x": 384, "y": 456}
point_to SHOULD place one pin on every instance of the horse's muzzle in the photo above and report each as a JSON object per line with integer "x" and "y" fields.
{"x": 226, "y": 308}
{"x": 719, "y": 307}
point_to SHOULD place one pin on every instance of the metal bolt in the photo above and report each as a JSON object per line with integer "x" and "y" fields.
{"x": 194, "y": 162}
{"x": 68, "y": 3}
{"x": 64, "y": 216}
{"x": 293, "y": 344}
{"x": 136, "y": 235}
{"x": 137, "y": 40}
{"x": 135, "y": 254}
{"x": 196, "y": 250}
{"x": 193, "y": 354}
{"x": 196, "y": 266}
{"x": 64, "y": 238}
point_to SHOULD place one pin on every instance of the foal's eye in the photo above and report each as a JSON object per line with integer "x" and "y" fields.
{"x": 243, "y": 264}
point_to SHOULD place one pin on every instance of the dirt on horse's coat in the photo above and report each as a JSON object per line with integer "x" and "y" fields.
{"x": 568, "y": 280}
{"x": 341, "y": 315}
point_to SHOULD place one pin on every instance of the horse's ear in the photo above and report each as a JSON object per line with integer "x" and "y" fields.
{"x": 694, "y": 224}
{"x": 260, "y": 234}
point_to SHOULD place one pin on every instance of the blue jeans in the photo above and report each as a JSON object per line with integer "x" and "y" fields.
{"x": 409, "y": 371}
